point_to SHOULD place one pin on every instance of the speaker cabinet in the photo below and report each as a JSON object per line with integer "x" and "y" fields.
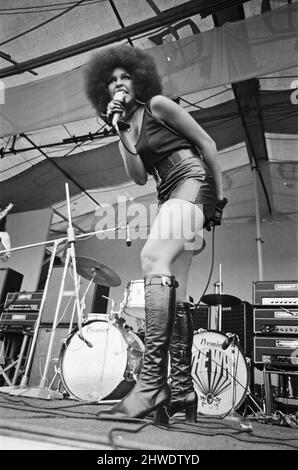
{"x": 201, "y": 317}
{"x": 94, "y": 302}
{"x": 10, "y": 281}
{"x": 275, "y": 292}
{"x": 239, "y": 320}
{"x": 41, "y": 351}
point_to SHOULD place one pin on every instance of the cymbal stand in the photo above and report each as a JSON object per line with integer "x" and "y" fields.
{"x": 115, "y": 316}
{"x": 232, "y": 414}
{"x": 83, "y": 303}
{"x": 219, "y": 290}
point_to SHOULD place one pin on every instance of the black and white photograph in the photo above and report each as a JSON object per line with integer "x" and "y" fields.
{"x": 148, "y": 230}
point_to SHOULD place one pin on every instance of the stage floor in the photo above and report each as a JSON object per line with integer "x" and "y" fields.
{"x": 65, "y": 424}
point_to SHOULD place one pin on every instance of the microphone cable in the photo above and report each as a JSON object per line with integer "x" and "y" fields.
{"x": 125, "y": 146}
{"x": 211, "y": 267}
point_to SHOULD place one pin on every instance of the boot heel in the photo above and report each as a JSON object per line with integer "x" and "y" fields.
{"x": 161, "y": 416}
{"x": 191, "y": 414}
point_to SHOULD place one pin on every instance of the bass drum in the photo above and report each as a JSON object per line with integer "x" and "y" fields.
{"x": 212, "y": 369}
{"x": 106, "y": 370}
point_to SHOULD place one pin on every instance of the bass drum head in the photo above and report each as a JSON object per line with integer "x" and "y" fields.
{"x": 92, "y": 373}
{"x": 212, "y": 374}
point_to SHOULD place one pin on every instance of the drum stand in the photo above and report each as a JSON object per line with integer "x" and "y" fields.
{"x": 232, "y": 415}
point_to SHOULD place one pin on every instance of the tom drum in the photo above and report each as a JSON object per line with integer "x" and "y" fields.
{"x": 134, "y": 299}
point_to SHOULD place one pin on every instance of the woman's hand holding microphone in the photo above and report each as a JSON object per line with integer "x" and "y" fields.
{"x": 116, "y": 108}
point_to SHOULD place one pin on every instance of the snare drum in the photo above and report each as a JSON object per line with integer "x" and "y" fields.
{"x": 212, "y": 369}
{"x": 107, "y": 369}
{"x": 134, "y": 299}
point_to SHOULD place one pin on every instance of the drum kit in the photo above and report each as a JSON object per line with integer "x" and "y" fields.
{"x": 101, "y": 358}
{"x": 106, "y": 365}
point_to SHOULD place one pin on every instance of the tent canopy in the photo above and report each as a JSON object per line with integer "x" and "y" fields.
{"x": 233, "y": 69}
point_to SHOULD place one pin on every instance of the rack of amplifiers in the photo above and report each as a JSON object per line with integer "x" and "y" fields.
{"x": 20, "y": 312}
{"x": 17, "y": 325}
{"x": 276, "y": 323}
{"x": 275, "y": 317}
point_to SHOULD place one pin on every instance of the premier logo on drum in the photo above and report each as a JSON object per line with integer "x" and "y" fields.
{"x": 214, "y": 370}
{"x": 96, "y": 329}
{"x": 210, "y": 344}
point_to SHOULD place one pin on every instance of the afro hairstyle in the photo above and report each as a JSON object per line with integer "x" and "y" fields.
{"x": 139, "y": 64}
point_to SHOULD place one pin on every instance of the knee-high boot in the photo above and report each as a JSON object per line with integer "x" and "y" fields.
{"x": 152, "y": 392}
{"x": 183, "y": 396}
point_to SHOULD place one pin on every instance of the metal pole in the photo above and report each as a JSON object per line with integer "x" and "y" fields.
{"x": 258, "y": 225}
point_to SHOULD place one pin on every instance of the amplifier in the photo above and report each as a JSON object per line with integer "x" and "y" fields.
{"x": 201, "y": 317}
{"x": 239, "y": 320}
{"x": 275, "y": 321}
{"x": 275, "y": 293}
{"x": 20, "y": 311}
{"x": 276, "y": 350}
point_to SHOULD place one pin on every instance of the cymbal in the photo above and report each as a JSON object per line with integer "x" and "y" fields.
{"x": 101, "y": 274}
{"x": 225, "y": 300}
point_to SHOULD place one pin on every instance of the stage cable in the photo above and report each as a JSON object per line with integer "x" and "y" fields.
{"x": 211, "y": 267}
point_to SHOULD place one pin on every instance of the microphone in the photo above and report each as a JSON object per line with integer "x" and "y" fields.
{"x": 228, "y": 341}
{"x": 120, "y": 96}
{"x": 128, "y": 240}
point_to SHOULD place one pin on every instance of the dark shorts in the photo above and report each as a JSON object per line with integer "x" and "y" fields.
{"x": 190, "y": 180}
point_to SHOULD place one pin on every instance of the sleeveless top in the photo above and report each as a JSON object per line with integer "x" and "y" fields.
{"x": 157, "y": 140}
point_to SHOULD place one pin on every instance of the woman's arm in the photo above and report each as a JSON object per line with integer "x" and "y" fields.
{"x": 131, "y": 159}
{"x": 6, "y": 210}
{"x": 181, "y": 121}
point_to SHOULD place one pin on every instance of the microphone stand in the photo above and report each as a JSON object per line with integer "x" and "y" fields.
{"x": 42, "y": 391}
{"x": 218, "y": 290}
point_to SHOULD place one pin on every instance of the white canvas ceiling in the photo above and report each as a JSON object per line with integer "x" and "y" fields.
{"x": 46, "y": 121}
